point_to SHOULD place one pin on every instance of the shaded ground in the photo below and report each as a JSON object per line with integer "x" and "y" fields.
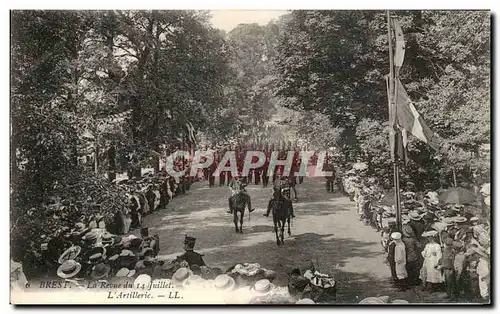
{"x": 326, "y": 231}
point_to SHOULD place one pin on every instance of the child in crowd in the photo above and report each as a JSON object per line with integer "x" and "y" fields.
{"x": 397, "y": 260}
{"x": 430, "y": 273}
{"x": 446, "y": 265}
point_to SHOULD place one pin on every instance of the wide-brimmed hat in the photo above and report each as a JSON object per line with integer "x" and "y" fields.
{"x": 100, "y": 271}
{"x": 459, "y": 219}
{"x": 396, "y": 235}
{"x": 262, "y": 286}
{"x": 414, "y": 216}
{"x": 473, "y": 219}
{"x": 97, "y": 253}
{"x": 90, "y": 237}
{"x": 69, "y": 254}
{"x": 126, "y": 253}
{"x": 142, "y": 281}
{"x": 181, "y": 275}
{"x": 224, "y": 282}
{"x": 68, "y": 269}
{"x": 125, "y": 272}
{"x": 371, "y": 300}
{"x": 399, "y": 301}
{"x": 430, "y": 233}
{"x": 305, "y": 301}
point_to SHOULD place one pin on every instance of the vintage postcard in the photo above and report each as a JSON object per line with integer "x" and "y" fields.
{"x": 318, "y": 157}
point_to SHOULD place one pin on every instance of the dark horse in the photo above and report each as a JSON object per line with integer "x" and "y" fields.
{"x": 237, "y": 203}
{"x": 281, "y": 207}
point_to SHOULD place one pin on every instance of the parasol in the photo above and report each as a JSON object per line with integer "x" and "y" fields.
{"x": 457, "y": 196}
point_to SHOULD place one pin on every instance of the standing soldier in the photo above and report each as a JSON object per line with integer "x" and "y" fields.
{"x": 203, "y": 159}
{"x": 222, "y": 174}
{"x": 229, "y": 174}
{"x": 265, "y": 168}
{"x": 212, "y": 167}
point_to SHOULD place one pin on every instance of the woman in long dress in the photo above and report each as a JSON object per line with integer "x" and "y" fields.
{"x": 431, "y": 274}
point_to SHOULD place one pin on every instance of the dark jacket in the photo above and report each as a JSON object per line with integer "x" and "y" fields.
{"x": 192, "y": 258}
{"x": 418, "y": 227}
{"x": 448, "y": 257}
{"x": 412, "y": 251}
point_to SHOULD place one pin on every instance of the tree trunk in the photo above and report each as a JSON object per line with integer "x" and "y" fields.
{"x": 96, "y": 155}
{"x": 112, "y": 163}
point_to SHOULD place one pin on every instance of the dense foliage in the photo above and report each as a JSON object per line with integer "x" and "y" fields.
{"x": 334, "y": 63}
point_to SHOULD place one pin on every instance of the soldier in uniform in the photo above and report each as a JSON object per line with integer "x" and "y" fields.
{"x": 190, "y": 256}
{"x": 237, "y": 185}
{"x": 281, "y": 184}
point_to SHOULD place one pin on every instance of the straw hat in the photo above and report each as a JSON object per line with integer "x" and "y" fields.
{"x": 181, "y": 275}
{"x": 224, "y": 283}
{"x": 69, "y": 254}
{"x": 305, "y": 301}
{"x": 126, "y": 253}
{"x": 125, "y": 272}
{"x": 142, "y": 281}
{"x": 262, "y": 287}
{"x": 414, "y": 216}
{"x": 90, "y": 237}
{"x": 371, "y": 300}
{"x": 430, "y": 233}
{"x": 399, "y": 301}
{"x": 68, "y": 269}
{"x": 396, "y": 235}
{"x": 459, "y": 219}
{"x": 100, "y": 271}
{"x": 473, "y": 219}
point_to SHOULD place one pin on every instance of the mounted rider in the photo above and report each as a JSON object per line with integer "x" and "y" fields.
{"x": 281, "y": 185}
{"x": 237, "y": 185}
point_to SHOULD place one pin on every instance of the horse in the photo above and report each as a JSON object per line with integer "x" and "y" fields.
{"x": 237, "y": 203}
{"x": 281, "y": 207}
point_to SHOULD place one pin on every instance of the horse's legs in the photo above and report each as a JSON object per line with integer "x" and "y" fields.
{"x": 235, "y": 220}
{"x": 242, "y": 214}
{"x": 276, "y": 231}
{"x": 249, "y": 202}
{"x": 282, "y": 231}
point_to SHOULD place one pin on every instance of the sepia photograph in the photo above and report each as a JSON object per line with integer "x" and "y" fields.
{"x": 299, "y": 157}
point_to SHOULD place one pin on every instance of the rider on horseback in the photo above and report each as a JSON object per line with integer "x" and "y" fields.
{"x": 282, "y": 185}
{"x": 237, "y": 185}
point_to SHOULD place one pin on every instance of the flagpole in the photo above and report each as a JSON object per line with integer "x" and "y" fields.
{"x": 392, "y": 117}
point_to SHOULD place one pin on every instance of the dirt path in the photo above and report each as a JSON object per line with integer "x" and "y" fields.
{"x": 326, "y": 229}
